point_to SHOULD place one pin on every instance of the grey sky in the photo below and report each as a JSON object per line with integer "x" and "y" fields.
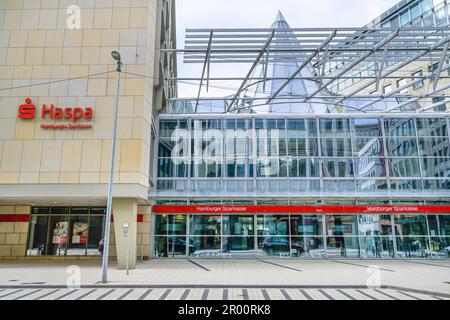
{"x": 261, "y": 14}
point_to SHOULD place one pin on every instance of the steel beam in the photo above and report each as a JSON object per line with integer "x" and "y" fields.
{"x": 434, "y": 105}
{"x": 405, "y": 86}
{"x": 249, "y": 73}
{"x": 207, "y": 55}
{"x": 401, "y": 65}
{"x": 422, "y": 96}
{"x": 439, "y": 68}
{"x": 379, "y": 45}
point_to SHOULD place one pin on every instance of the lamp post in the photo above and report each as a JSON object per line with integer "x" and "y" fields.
{"x": 105, "y": 260}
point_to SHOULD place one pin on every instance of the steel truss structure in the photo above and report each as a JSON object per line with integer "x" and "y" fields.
{"x": 379, "y": 55}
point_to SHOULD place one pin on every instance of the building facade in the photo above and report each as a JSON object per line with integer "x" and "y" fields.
{"x": 303, "y": 186}
{"x": 300, "y": 175}
{"x": 57, "y": 90}
{"x": 301, "y": 163}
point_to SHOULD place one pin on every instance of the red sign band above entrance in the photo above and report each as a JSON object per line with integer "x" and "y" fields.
{"x": 327, "y": 209}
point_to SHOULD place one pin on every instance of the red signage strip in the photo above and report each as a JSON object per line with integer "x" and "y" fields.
{"x": 14, "y": 217}
{"x": 229, "y": 209}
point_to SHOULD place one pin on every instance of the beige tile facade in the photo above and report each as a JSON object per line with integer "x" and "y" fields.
{"x": 44, "y": 58}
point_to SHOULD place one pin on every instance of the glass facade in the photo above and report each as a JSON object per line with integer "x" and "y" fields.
{"x": 65, "y": 231}
{"x": 415, "y": 14}
{"x": 311, "y": 236}
{"x": 292, "y": 156}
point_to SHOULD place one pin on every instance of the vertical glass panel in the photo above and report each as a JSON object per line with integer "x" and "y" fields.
{"x": 272, "y": 224}
{"x": 78, "y": 234}
{"x": 410, "y": 225}
{"x": 366, "y": 127}
{"x": 339, "y": 225}
{"x": 415, "y": 11}
{"x": 336, "y": 147}
{"x": 401, "y": 147}
{"x": 428, "y": 20}
{"x": 374, "y": 224}
{"x": 165, "y": 247}
{"x": 307, "y": 247}
{"x": 161, "y": 222}
{"x": 334, "y": 127}
{"x": 426, "y": 5}
{"x": 404, "y": 17}
{"x": 399, "y": 127}
{"x": 37, "y": 245}
{"x": 58, "y": 235}
{"x": 95, "y": 235}
{"x": 439, "y": 225}
{"x": 238, "y": 225}
{"x": 343, "y": 247}
{"x": 430, "y": 127}
{"x": 204, "y": 246}
{"x": 377, "y": 247}
{"x": 275, "y": 246}
{"x": 167, "y": 127}
{"x": 394, "y": 22}
{"x": 440, "y": 247}
{"x": 409, "y": 247}
{"x": 404, "y": 167}
{"x": 205, "y": 225}
{"x": 303, "y": 225}
{"x": 339, "y": 167}
{"x": 440, "y": 14}
{"x": 238, "y": 246}
{"x": 177, "y": 224}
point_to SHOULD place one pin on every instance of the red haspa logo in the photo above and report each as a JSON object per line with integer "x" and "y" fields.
{"x": 27, "y": 110}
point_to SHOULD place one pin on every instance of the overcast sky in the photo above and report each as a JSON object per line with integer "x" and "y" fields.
{"x": 262, "y": 13}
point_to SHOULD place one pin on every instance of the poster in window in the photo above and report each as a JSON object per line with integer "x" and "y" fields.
{"x": 79, "y": 233}
{"x": 60, "y": 232}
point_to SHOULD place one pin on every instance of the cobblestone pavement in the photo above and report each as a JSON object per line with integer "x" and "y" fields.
{"x": 123, "y": 293}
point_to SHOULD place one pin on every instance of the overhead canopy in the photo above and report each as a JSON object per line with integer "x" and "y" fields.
{"x": 316, "y": 70}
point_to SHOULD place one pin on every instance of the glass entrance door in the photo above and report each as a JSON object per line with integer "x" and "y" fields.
{"x": 238, "y": 236}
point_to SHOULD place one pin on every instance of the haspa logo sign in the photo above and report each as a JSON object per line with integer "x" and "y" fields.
{"x": 72, "y": 114}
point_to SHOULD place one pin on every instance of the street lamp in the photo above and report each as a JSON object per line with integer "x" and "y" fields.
{"x": 117, "y": 57}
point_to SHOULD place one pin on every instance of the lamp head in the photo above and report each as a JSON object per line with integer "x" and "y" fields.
{"x": 116, "y": 56}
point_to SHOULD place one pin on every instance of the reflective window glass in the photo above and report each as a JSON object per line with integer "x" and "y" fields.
{"x": 238, "y": 225}
{"x": 306, "y": 225}
{"x": 410, "y": 225}
{"x": 439, "y": 225}
{"x": 205, "y": 225}
{"x": 374, "y": 224}
{"x": 341, "y": 225}
{"x": 272, "y": 224}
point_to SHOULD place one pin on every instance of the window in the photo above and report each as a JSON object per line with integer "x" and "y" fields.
{"x": 415, "y": 11}
{"x": 64, "y": 231}
{"x": 417, "y": 75}
{"x": 433, "y": 67}
{"x": 441, "y": 107}
{"x": 401, "y": 83}
{"x": 426, "y": 5}
{"x": 404, "y": 18}
{"x": 387, "y": 88}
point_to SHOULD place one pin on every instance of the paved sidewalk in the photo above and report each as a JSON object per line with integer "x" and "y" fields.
{"x": 422, "y": 275}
